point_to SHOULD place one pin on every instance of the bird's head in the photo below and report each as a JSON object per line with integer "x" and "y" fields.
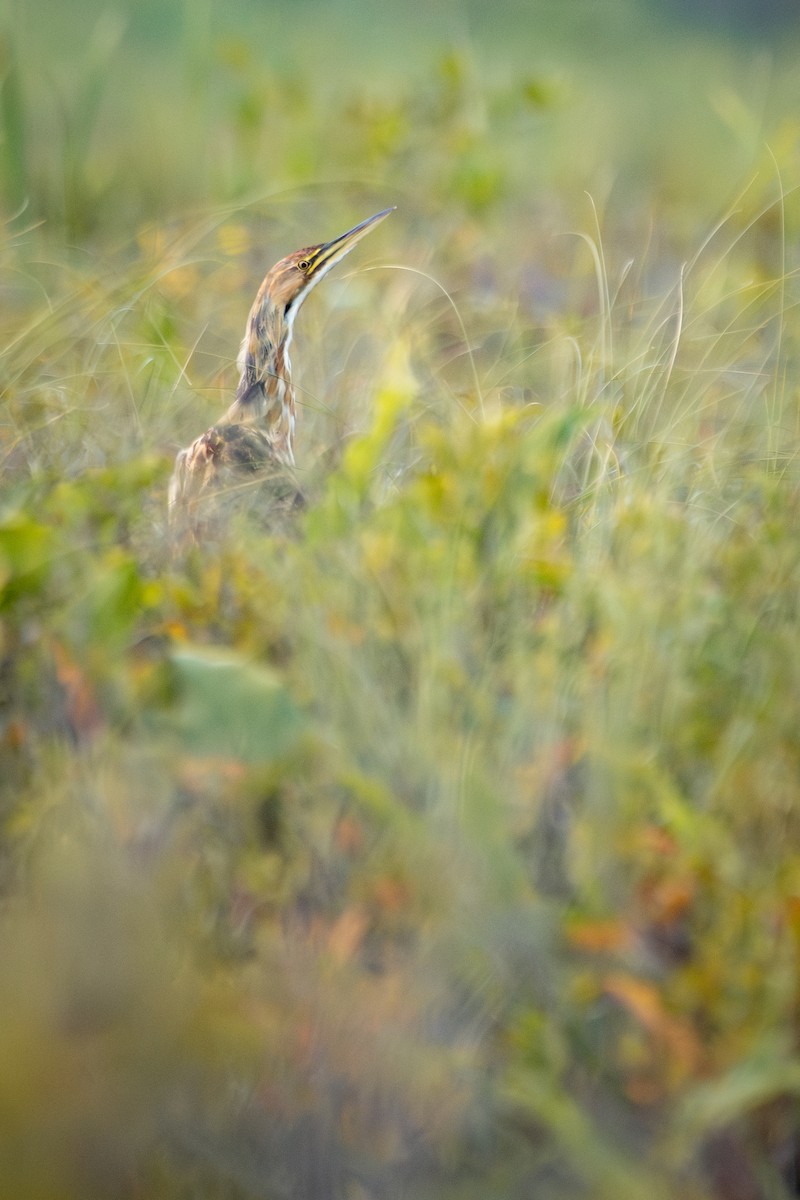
{"x": 291, "y": 280}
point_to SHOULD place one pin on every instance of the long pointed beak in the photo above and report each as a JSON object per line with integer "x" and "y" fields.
{"x": 335, "y": 250}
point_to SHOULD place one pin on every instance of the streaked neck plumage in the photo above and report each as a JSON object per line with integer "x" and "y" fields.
{"x": 265, "y": 393}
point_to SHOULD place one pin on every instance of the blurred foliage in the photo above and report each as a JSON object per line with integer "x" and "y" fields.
{"x": 444, "y": 839}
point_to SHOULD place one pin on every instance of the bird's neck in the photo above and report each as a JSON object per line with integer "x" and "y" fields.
{"x": 265, "y": 395}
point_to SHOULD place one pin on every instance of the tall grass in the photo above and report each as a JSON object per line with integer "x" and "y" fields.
{"x": 444, "y": 841}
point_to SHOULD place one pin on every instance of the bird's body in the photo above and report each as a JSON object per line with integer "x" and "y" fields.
{"x": 257, "y": 431}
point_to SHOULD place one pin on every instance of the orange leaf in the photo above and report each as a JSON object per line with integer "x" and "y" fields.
{"x": 348, "y": 835}
{"x": 391, "y": 894}
{"x": 653, "y": 837}
{"x": 667, "y": 899}
{"x": 347, "y": 934}
{"x": 643, "y": 1001}
{"x": 16, "y": 734}
{"x": 600, "y": 937}
{"x": 83, "y": 711}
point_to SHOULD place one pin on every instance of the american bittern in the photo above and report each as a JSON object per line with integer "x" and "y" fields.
{"x": 257, "y": 431}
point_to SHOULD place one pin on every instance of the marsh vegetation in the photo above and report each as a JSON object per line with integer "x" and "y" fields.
{"x": 444, "y": 841}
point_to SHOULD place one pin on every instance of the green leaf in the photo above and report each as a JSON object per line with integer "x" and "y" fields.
{"x": 26, "y": 548}
{"x": 233, "y": 708}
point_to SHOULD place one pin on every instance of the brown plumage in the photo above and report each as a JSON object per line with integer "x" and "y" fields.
{"x": 257, "y": 431}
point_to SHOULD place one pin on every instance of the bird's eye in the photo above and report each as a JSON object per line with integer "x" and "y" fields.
{"x": 304, "y": 264}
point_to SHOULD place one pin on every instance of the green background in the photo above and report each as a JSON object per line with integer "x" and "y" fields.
{"x": 442, "y": 838}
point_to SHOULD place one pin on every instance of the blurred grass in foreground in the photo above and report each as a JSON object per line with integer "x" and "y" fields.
{"x": 447, "y": 843}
